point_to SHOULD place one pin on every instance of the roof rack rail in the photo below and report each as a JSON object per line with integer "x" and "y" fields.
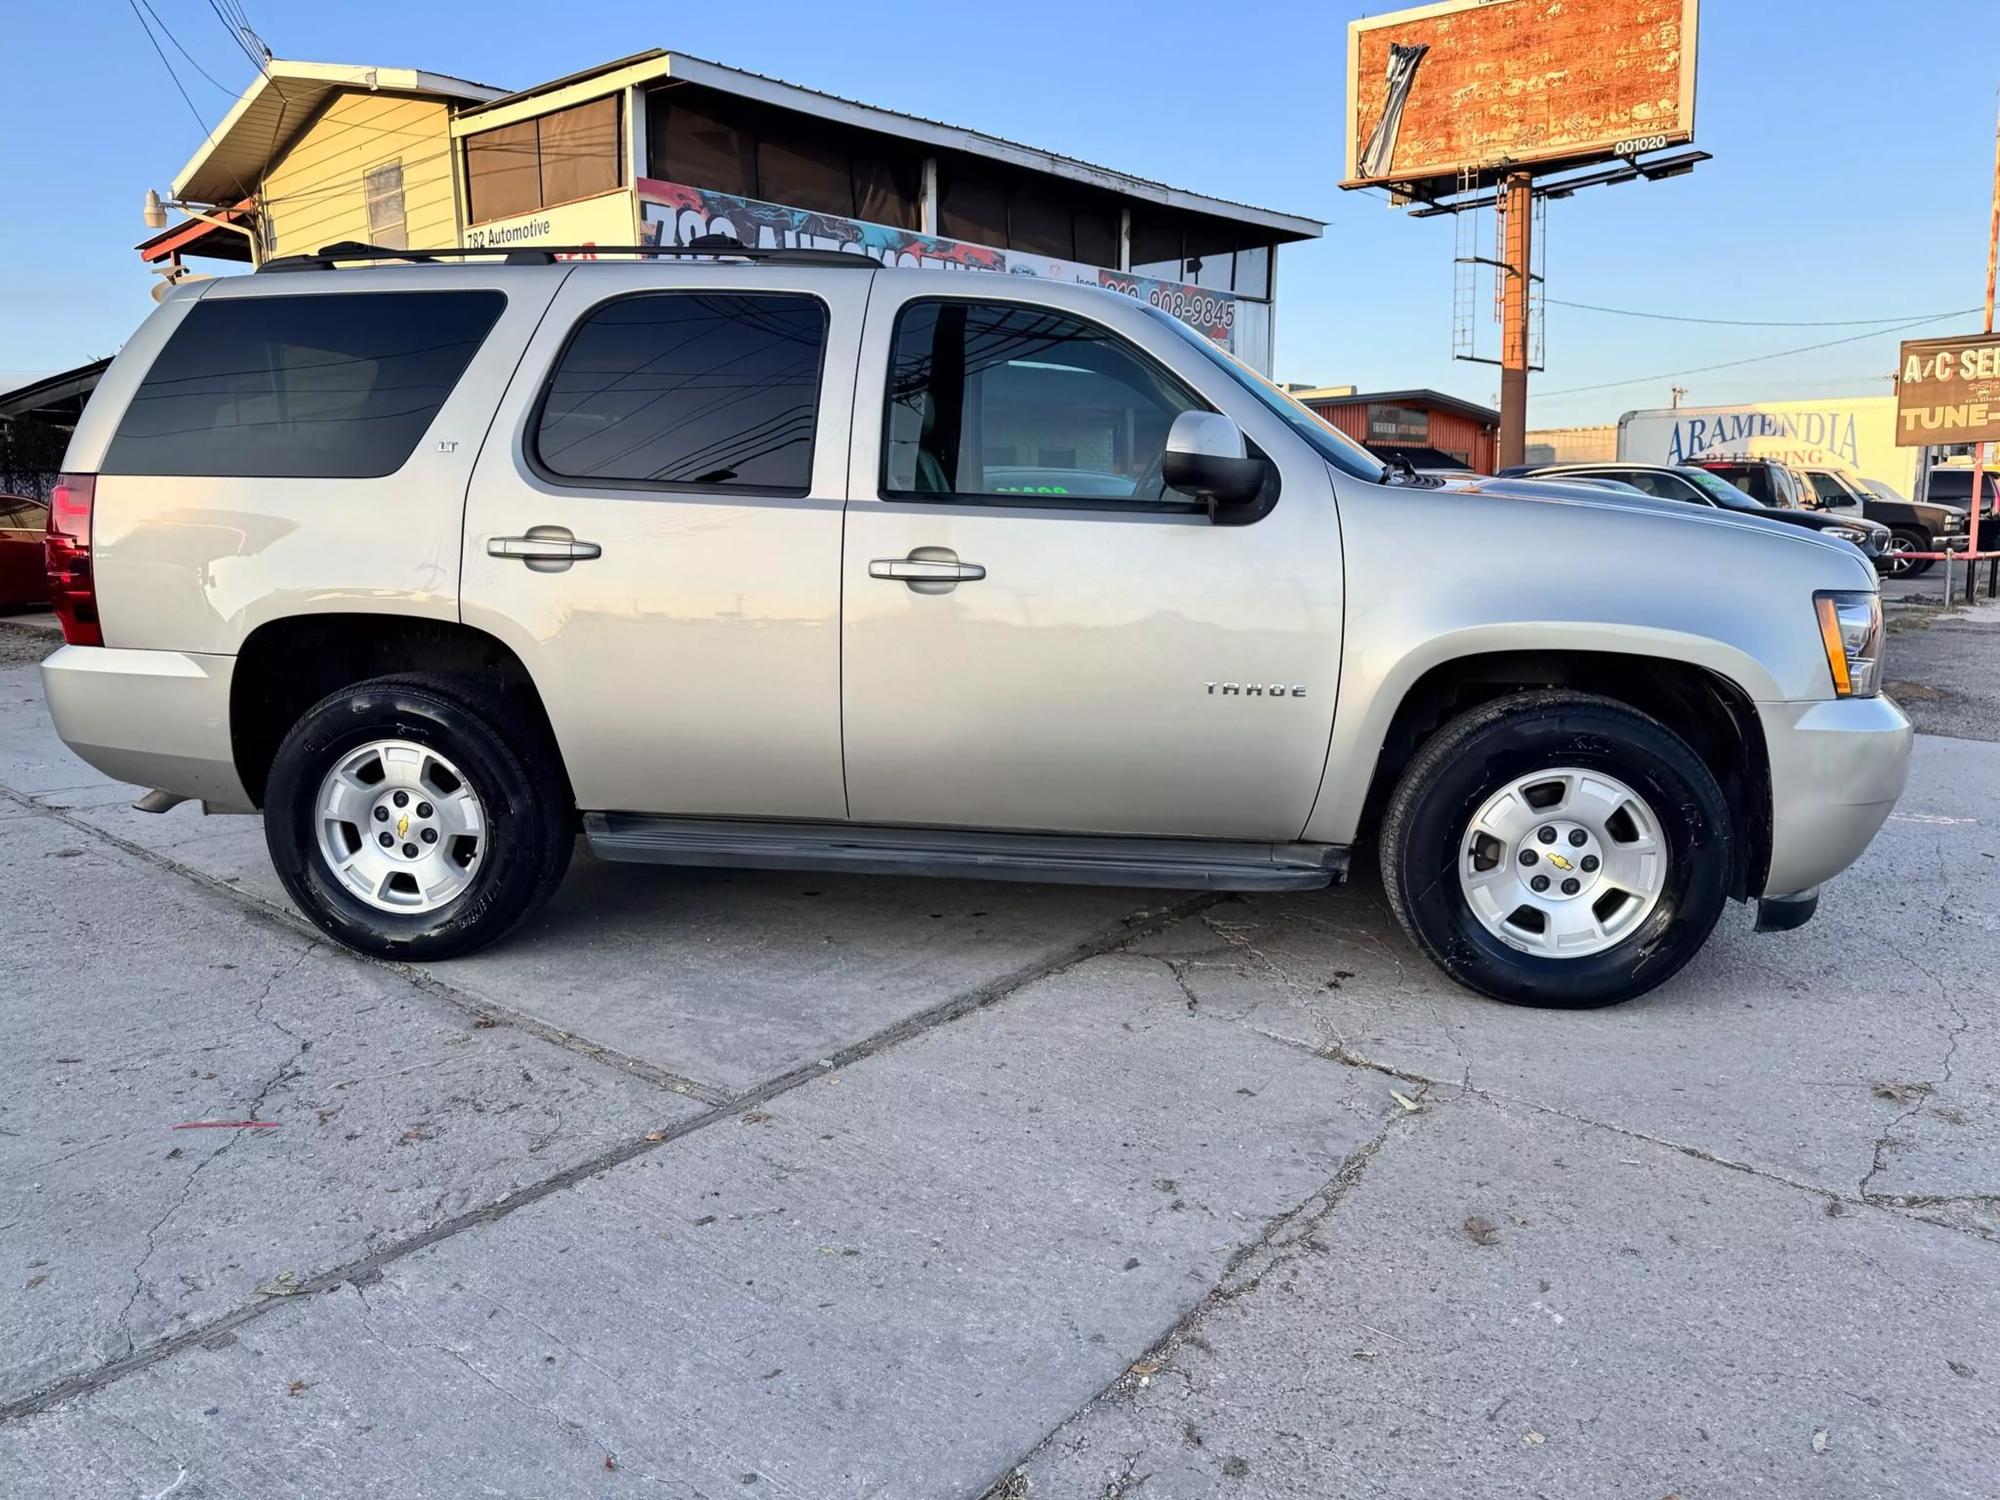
{"x": 707, "y": 247}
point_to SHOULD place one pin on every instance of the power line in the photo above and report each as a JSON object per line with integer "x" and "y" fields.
{"x": 1630, "y": 312}
{"x": 184, "y": 51}
{"x": 1730, "y": 364}
{"x": 161, "y": 54}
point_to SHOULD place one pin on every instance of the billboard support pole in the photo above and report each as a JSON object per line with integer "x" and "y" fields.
{"x": 1513, "y": 444}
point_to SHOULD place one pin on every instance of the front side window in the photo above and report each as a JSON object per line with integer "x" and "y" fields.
{"x": 1003, "y": 402}
{"x": 688, "y": 389}
{"x": 335, "y": 386}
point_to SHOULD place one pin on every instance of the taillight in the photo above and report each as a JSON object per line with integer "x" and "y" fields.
{"x": 72, "y": 590}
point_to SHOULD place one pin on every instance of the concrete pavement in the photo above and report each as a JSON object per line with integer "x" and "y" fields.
{"x": 719, "y": 1184}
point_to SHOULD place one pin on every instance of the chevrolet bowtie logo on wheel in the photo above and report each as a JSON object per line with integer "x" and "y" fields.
{"x": 1555, "y": 859}
{"x": 403, "y": 830}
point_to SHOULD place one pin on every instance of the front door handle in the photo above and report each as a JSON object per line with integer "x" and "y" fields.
{"x": 927, "y": 570}
{"x": 545, "y": 549}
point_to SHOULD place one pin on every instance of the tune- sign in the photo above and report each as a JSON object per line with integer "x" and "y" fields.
{"x": 1949, "y": 391}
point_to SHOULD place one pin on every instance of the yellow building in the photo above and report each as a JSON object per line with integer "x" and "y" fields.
{"x": 662, "y": 148}
{"x": 315, "y": 153}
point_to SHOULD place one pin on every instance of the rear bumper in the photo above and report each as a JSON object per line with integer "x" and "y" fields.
{"x": 154, "y": 718}
{"x": 1837, "y": 768}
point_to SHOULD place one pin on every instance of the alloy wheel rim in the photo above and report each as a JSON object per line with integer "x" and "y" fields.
{"x": 1563, "y": 863}
{"x": 400, "y": 827}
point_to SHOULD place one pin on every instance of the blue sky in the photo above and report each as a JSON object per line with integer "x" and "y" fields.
{"x": 1853, "y": 144}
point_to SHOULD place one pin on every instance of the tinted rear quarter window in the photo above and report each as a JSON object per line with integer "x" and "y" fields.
{"x": 688, "y": 390}
{"x": 340, "y": 386}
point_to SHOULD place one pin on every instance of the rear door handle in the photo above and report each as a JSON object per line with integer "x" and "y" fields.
{"x": 545, "y": 549}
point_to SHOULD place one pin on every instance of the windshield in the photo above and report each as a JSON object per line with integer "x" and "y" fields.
{"x": 1336, "y": 447}
{"x": 1720, "y": 490}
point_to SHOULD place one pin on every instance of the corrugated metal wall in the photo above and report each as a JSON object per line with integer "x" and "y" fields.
{"x": 1448, "y": 431}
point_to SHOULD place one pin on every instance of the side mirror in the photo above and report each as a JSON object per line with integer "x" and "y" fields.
{"x": 1206, "y": 458}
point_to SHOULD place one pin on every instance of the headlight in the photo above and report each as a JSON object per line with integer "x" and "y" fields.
{"x": 1850, "y": 627}
{"x": 1846, "y": 534}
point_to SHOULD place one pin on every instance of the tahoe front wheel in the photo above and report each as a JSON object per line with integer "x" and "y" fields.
{"x": 410, "y": 817}
{"x": 1557, "y": 849}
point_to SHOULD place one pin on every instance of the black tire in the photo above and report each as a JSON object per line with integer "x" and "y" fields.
{"x": 1477, "y": 754}
{"x": 1910, "y": 539}
{"x": 530, "y": 823}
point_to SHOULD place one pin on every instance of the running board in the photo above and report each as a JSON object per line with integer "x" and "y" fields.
{"x": 1174, "y": 864}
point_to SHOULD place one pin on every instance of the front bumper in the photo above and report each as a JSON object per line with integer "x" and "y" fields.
{"x": 155, "y": 718}
{"x": 1837, "y": 768}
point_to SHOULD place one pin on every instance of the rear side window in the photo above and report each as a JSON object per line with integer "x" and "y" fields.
{"x": 1754, "y": 482}
{"x": 336, "y": 387}
{"x": 688, "y": 390}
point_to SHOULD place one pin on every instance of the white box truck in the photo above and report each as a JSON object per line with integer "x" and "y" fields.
{"x": 1853, "y": 433}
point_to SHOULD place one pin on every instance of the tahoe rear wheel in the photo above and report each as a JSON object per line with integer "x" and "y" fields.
{"x": 1557, "y": 849}
{"x": 409, "y": 817}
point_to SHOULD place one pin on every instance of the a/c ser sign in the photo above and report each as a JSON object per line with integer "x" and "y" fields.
{"x": 1949, "y": 391}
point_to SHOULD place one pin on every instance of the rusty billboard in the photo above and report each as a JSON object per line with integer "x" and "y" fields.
{"x": 1949, "y": 391}
{"x": 1475, "y": 85}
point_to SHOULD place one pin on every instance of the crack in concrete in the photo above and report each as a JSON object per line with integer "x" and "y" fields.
{"x": 1878, "y": 1161}
{"x": 1283, "y": 1239}
{"x": 1353, "y": 1059}
{"x": 437, "y": 1344}
{"x": 484, "y": 1012}
{"x": 1129, "y": 929}
{"x": 286, "y": 1070}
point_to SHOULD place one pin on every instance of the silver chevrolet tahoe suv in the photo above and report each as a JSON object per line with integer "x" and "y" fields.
{"x": 800, "y": 561}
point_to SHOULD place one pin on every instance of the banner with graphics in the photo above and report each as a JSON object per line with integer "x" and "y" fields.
{"x": 675, "y": 214}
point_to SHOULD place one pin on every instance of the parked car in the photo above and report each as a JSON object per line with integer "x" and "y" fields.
{"x": 439, "y": 564}
{"x": 24, "y": 577}
{"x": 1929, "y": 527}
{"x": 1697, "y": 486}
{"x": 1950, "y": 485}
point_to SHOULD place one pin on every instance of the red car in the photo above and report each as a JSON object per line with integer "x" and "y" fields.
{"x": 24, "y": 577}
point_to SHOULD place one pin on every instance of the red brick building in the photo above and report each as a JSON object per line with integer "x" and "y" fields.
{"x": 1431, "y": 430}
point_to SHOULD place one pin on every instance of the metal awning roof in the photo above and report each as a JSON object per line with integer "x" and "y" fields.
{"x": 1420, "y": 397}
{"x": 55, "y": 393}
{"x": 198, "y": 237}
{"x": 281, "y": 103}
{"x": 662, "y": 65}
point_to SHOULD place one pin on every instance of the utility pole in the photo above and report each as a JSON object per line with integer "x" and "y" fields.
{"x": 1513, "y": 442}
{"x": 1979, "y": 449}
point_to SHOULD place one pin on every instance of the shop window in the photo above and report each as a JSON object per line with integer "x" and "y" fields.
{"x": 383, "y": 188}
{"x": 972, "y": 207}
{"x": 554, "y": 158}
{"x": 729, "y": 145}
{"x": 805, "y": 174}
{"x": 991, "y": 206}
{"x": 502, "y": 175}
{"x": 1253, "y": 271}
{"x": 1097, "y": 233}
{"x": 579, "y": 152}
{"x": 1040, "y": 224}
{"x": 688, "y": 143}
{"x": 1204, "y": 252}
{"x": 1156, "y": 245}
